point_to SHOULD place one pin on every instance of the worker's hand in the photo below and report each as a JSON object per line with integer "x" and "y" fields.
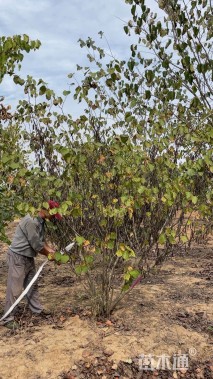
{"x": 48, "y": 251}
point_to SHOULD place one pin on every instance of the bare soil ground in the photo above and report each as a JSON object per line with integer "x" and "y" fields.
{"x": 166, "y": 316}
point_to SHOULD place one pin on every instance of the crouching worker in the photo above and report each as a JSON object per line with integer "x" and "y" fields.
{"x": 28, "y": 241}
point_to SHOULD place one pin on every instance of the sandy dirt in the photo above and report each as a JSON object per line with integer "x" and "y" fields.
{"x": 167, "y": 314}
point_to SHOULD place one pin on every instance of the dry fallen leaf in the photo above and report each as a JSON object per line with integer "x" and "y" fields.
{"x": 86, "y": 353}
{"x": 86, "y": 243}
{"x": 108, "y": 352}
{"x": 69, "y": 376}
{"x": 127, "y": 360}
{"x": 155, "y": 373}
{"x": 183, "y": 370}
{"x": 101, "y": 159}
{"x": 99, "y": 372}
{"x": 109, "y": 323}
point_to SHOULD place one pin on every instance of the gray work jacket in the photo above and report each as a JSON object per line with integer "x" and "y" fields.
{"x": 29, "y": 237}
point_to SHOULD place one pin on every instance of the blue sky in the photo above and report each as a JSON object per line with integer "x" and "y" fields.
{"x": 59, "y": 25}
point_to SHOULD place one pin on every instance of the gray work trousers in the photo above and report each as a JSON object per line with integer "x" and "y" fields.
{"x": 20, "y": 273}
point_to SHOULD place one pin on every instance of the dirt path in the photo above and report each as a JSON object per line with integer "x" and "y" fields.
{"x": 167, "y": 314}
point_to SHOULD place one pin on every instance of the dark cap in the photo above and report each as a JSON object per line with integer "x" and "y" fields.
{"x": 55, "y": 204}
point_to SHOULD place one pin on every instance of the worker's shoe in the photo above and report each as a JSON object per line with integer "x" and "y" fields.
{"x": 45, "y": 312}
{"x": 12, "y": 325}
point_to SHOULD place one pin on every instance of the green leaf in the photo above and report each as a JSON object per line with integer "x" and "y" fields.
{"x": 184, "y": 239}
{"x": 89, "y": 259}
{"x": 126, "y": 29}
{"x": 188, "y": 195}
{"x": 14, "y": 165}
{"x": 76, "y": 212}
{"x": 133, "y": 103}
{"x": 149, "y": 74}
{"x": 134, "y": 273}
{"x": 124, "y": 138}
{"x": 78, "y": 269}
{"x": 84, "y": 269}
{"x": 126, "y": 286}
{"x": 64, "y": 207}
{"x": 45, "y": 205}
{"x": 49, "y": 94}
{"x": 119, "y": 253}
{"x": 23, "y": 172}
{"x": 194, "y": 199}
{"x": 126, "y": 255}
{"x": 127, "y": 276}
{"x": 113, "y": 235}
{"x": 81, "y": 269}
{"x": 131, "y": 65}
{"x": 42, "y": 90}
{"x": 80, "y": 240}
{"x": 57, "y": 256}
{"x": 147, "y": 94}
{"x": 64, "y": 258}
{"x": 20, "y": 207}
{"x": 66, "y": 93}
{"x": 110, "y": 244}
{"x": 162, "y": 239}
{"x": 18, "y": 80}
{"x": 5, "y": 158}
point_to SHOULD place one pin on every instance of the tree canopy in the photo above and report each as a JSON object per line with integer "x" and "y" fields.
{"x": 134, "y": 172}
